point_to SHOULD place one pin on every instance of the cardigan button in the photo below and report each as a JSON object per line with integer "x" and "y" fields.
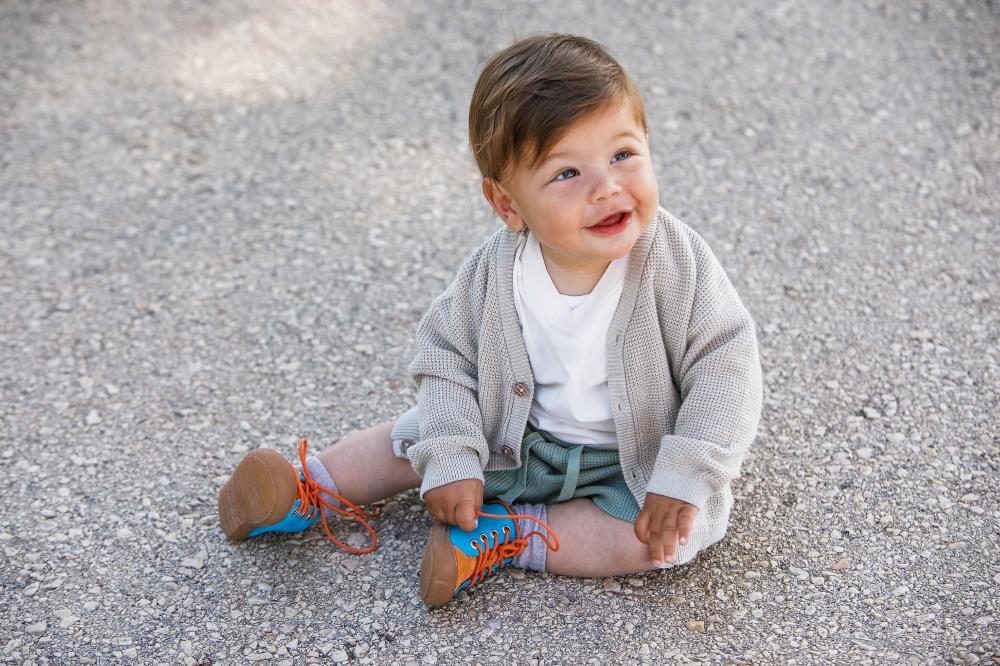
{"x": 406, "y": 444}
{"x": 521, "y": 389}
{"x": 634, "y": 474}
{"x": 507, "y": 451}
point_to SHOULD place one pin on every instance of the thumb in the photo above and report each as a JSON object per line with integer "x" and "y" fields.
{"x": 465, "y": 515}
{"x": 642, "y": 526}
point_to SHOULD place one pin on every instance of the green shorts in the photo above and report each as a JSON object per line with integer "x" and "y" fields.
{"x": 554, "y": 471}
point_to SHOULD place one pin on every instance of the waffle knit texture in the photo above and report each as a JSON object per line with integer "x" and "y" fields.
{"x": 684, "y": 376}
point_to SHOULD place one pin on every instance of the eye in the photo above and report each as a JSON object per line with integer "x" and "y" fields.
{"x": 562, "y": 172}
{"x": 626, "y": 153}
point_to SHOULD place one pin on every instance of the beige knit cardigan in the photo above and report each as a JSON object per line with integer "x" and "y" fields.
{"x": 684, "y": 376}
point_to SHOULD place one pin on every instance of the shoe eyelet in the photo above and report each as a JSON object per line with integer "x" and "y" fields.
{"x": 496, "y": 537}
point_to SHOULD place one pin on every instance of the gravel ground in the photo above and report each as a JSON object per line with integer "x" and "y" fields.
{"x": 222, "y": 221}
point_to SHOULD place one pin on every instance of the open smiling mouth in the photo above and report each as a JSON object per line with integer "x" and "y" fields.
{"x": 612, "y": 224}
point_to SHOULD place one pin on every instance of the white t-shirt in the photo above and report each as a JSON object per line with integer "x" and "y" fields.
{"x": 565, "y": 337}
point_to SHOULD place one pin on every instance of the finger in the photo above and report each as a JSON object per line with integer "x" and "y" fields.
{"x": 670, "y": 537}
{"x": 641, "y": 526}
{"x": 656, "y": 542}
{"x": 452, "y": 514}
{"x": 465, "y": 513}
{"x": 685, "y": 523}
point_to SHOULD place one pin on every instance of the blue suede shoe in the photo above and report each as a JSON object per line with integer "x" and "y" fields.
{"x": 267, "y": 494}
{"x": 455, "y": 559}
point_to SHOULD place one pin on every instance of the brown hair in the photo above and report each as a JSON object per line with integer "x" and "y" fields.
{"x": 529, "y": 94}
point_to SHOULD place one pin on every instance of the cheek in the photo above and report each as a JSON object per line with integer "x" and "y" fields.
{"x": 650, "y": 185}
{"x": 564, "y": 189}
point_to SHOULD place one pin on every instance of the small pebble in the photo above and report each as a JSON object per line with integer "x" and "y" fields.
{"x": 37, "y": 628}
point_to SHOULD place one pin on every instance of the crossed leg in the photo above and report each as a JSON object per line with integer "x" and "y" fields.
{"x": 593, "y": 544}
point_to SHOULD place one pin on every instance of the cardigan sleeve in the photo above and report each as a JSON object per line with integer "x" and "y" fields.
{"x": 716, "y": 367}
{"x": 452, "y": 445}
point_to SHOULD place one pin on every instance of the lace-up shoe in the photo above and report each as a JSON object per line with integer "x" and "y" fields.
{"x": 455, "y": 559}
{"x": 267, "y": 494}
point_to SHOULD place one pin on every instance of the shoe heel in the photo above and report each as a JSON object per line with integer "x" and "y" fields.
{"x": 261, "y": 491}
{"x": 438, "y": 568}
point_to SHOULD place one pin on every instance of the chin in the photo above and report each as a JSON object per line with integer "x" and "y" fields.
{"x": 624, "y": 251}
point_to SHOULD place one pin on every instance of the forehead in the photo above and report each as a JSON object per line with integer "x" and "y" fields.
{"x": 604, "y": 120}
{"x": 605, "y": 125}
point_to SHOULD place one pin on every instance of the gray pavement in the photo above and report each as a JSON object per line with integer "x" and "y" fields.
{"x": 220, "y": 224}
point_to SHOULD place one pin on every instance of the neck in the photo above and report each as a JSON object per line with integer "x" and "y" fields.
{"x": 570, "y": 282}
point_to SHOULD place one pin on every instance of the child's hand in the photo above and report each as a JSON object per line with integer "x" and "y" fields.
{"x": 661, "y": 521}
{"x": 456, "y": 503}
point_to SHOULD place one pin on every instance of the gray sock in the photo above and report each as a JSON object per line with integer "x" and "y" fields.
{"x": 321, "y": 476}
{"x": 533, "y": 557}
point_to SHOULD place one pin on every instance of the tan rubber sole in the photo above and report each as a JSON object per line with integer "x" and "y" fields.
{"x": 261, "y": 491}
{"x": 439, "y": 568}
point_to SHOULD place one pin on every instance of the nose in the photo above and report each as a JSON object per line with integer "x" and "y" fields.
{"x": 607, "y": 186}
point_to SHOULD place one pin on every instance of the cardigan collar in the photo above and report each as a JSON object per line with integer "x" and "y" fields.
{"x": 509, "y": 241}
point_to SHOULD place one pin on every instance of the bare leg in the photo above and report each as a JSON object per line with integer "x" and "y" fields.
{"x": 592, "y": 543}
{"x": 364, "y": 467}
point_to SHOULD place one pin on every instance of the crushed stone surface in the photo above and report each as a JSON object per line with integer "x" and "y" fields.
{"x": 221, "y": 222}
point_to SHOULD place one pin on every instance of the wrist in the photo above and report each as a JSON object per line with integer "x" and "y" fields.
{"x": 459, "y": 467}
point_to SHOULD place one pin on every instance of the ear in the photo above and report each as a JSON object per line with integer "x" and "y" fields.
{"x": 503, "y": 204}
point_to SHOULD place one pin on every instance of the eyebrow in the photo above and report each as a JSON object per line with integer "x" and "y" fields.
{"x": 553, "y": 156}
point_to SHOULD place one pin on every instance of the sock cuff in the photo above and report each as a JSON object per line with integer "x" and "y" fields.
{"x": 321, "y": 476}
{"x": 533, "y": 557}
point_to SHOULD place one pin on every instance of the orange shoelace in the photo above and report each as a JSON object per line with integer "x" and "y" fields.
{"x": 313, "y": 502}
{"x": 488, "y": 557}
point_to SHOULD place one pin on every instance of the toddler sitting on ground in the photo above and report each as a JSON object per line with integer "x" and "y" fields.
{"x": 589, "y": 373}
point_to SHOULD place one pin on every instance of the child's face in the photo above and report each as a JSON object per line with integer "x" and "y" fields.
{"x": 600, "y": 166}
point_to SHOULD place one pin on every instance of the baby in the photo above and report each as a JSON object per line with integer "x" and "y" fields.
{"x": 589, "y": 382}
